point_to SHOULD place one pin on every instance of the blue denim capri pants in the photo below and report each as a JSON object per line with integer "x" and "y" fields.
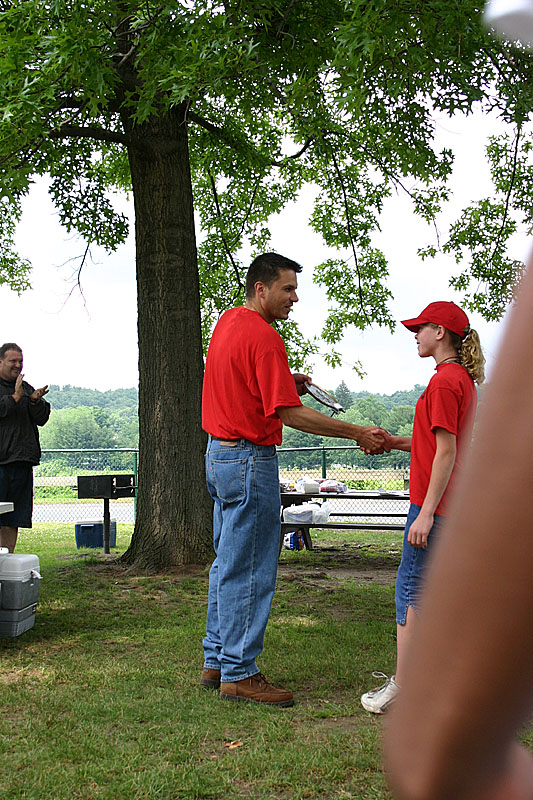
{"x": 411, "y": 576}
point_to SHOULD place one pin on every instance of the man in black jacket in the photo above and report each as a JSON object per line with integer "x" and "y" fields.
{"x": 22, "y": 408}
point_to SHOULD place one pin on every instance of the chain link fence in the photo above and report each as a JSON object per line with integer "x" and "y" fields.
{"x": 343, "y": 464}
{"x": 56, "y": 488}
{"x": 56, "y": 495}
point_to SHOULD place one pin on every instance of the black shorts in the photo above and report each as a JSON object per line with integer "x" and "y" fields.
{"x": 16, "y": 486}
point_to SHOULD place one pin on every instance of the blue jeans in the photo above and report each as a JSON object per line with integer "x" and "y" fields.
{"x": 411, "y": 577}
{"x": 243, "y": 481}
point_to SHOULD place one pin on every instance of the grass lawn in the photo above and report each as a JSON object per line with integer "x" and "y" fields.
{"x": 101, "y": 699}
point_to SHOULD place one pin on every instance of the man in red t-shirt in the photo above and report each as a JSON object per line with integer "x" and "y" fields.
{"x": 249, "y": 394}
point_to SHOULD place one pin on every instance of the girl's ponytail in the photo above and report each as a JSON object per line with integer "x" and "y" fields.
{"x": 472, "y": 357}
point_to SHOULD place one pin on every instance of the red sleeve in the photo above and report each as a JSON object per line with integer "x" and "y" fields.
{"x": 276, "y": 382}
{"x": 443, "y": 409}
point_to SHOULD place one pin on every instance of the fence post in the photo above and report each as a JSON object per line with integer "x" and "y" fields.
{"x": 135, "y": 482}
{"x": 324, "y": 462}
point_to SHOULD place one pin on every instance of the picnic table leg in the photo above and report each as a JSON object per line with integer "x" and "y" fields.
{"x": 107, "y": 525}
{"x": 306, "y": 536}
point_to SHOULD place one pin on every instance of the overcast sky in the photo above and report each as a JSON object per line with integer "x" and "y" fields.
{"x": 92, "y": 341}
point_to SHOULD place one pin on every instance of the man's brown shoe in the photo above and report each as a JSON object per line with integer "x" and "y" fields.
{"x": 256, "y": 690}
{"x": 210, "y": 678}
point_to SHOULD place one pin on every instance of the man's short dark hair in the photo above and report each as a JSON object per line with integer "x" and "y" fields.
{"x": 266, "y": 268}
{"x": 9, "y": 346}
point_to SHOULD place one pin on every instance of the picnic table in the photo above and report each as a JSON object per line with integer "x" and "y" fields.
{"x": 361, "y": 515}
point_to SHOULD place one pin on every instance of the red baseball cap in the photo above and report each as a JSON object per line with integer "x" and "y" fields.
{"x": 443, "y": 313}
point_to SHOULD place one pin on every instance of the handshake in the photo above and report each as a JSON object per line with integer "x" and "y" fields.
{"x": 374, "y": 441}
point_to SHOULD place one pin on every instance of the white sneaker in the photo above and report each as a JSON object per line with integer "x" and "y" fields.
{"x": 377, "y": 701}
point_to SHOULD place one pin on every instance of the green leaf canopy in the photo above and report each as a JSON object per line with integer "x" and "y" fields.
{"x": 275, "y": 95}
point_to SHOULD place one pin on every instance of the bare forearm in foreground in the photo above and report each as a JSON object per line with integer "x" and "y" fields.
{"x": 468, "y": 674}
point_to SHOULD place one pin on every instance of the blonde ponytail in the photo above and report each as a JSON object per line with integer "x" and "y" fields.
{"x": 471, "y": 354}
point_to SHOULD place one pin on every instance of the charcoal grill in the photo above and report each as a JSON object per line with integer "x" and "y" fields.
{"x": 106, "y": 488}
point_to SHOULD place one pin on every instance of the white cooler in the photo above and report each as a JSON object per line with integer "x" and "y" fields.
{"x": 20, "y": 581}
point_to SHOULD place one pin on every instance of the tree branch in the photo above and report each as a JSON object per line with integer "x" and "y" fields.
{"x": 86, "y": 254}
{"x": 392, "y": 176}
{"x": 214, "y": 129}
{"x": 246, "y": 216}
{"x": 280, "y": 30}
{"x": 224, "y": 242}
{"x": 309, "y": 141}
{"x": 225, "y": 137}
{"x": 69, "y": 103}
{"x": 349, "y": 230}
{"x": 508, "y": 195}
{"x": 89, "y": 132}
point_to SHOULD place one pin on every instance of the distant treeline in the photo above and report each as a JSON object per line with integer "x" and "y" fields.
{"x": 88, "y": 418}
{"x": 75, "y": 396}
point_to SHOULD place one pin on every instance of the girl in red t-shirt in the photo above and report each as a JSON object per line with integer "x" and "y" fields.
{"x": 442, "y": 428}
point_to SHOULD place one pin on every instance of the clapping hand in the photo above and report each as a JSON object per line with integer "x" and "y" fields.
{"x": 38, "y": 393}
{"x": 19, "y": 392}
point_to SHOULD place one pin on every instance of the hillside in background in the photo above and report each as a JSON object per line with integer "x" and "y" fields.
{"x": 74, "y": 396}
{"x": 406, "y": 397}
{"x": 89, "y": 418}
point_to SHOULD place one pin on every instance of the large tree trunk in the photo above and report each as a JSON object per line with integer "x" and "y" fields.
{"x": 173, "y": 523}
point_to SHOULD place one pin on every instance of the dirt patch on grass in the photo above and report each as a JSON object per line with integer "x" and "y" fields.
{"x": 381, "y": 575}
{"x": 110, "y": 565}
{"x": 342, "y": 724}
{"x": 331, "y": 563}
{"x": 111, "y": 562}
{"x": 361, "y": 563}
{"x": 7, "y": 678}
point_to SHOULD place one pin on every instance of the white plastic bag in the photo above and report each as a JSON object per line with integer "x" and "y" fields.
{"x": 307, "y": 484}
{"x": 300, "y": 513}
{"x": 322, "y": 512}
{"x": 308, "y": 513}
